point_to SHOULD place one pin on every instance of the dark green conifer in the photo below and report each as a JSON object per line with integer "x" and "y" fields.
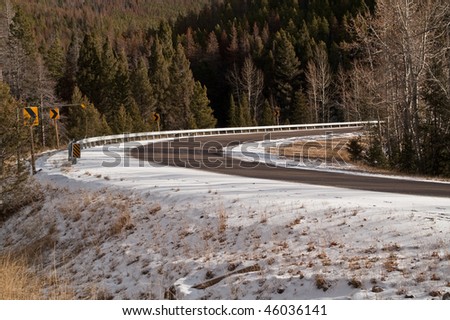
{"x": 55, "y": 60}
{"x": 300, "y": 112}
{"x": 142, "y": 89}
{"x": 159, "y": 77}
{"x": 85, "y": 122}
{"x": 268, "y": 118}
{"x": 233, "y": 114}
{"x": 287, "y": 71}
{"x": 66, "y": 84}
{"x": 88, "y": 73}
{"x": 203, "y": 113}
{"x": 245, "y": 117}
{"x": 181, "y": 88}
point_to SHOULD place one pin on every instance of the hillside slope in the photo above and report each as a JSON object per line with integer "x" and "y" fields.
{"x": 62, "y": 17}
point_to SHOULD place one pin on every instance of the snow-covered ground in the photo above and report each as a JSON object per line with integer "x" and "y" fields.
{"x": 125, "y": 229}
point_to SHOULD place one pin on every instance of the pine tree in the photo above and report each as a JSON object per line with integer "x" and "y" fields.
{"x": 212, "y": 47}
{"x": 286, "y": 72}
{"x": 21, "y": 66}
{"x": 142, "y": 89}
{"x": 305, "y": 43}
{"x": 203, "y": 114}
{"x": 123, "y": 95}
{"x": 12, "y": 132}
{"x": 300, "y": 112}
{"x": 87, "y": 122}
{"x": 233, "y": 47}
{"x": 166, "y": 40}
{"x": 66, "y": 84}
{"x": 191, "y": 47}
{"x": 245, "y": 117}
{"x": 22, "y": 29}
{"x": 179, "y": 114}
{"x": 123, "y": 123}
{"x": 375, "y": 153}
{"x": 435, "y": 130}
{"x": 55, "y": 60}
{"x": 121, "y": 84}
{"x": 89, "y": 71}
{"x": 267, "y": 118}
{"x": 77, "y": 120}
{"x": 109, "y": 89}
{"x": 13, "y": 135}
{"x": 233, "y": 114}
{"x": 159, "y": 78}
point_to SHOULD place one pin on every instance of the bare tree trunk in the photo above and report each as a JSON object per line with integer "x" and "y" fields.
{"x": 253, "y": 84}
{"x": 248, "y": 83}
{"x": 401, "y": 42}
{"x": 313, "y": 90}
{"x": 234, "y": 79}
{"x": 318, "y": 76}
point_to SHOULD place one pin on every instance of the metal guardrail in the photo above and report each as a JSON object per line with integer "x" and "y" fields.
{"x": 129, "y": 137}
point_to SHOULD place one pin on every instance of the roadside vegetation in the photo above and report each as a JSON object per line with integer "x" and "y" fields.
{"x": 234, "y": 63}
{"x": 201, "y": 64}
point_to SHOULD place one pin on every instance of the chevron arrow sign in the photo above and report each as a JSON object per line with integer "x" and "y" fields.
{"x": 31, "y": 116}
{"x": 54, "y": 113}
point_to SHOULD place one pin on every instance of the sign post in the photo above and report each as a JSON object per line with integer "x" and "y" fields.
{"x": 54, "y": 115}
{"x": 33, "y": 160}
{"x": 31, "y": 119}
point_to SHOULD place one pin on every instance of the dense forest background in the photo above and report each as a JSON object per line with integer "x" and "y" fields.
{"x": 213, "y": 63}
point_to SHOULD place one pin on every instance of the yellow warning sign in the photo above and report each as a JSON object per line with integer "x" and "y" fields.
{"x": 31, "y": 116}
{"x": 155, "y": 117}
{"x": 54, "y": 113}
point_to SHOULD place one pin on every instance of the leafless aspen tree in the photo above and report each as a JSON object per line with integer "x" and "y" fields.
{"x": 399, "y": 45}
{"x": 318, "y": 75}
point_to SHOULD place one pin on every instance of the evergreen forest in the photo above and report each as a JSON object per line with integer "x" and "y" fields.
{"x": 202, "y": 64}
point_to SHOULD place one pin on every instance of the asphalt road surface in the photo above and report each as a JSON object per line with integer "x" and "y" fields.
{"x": 205, "y": 153}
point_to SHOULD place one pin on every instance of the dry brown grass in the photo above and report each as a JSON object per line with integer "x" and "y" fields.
{"x": 324, "y": 258}
{"x": 122, "y": 223}
{"x": 355, "y": 283}
{"x": 391, "y": 263}
{"x": 354, "y": 263}
{"x": 392, "y": 247}
{"x": 20, "y": 194}
{"x": 223, "y": 221}
{"x": 321, "y": 282}
{"x": 154, "y": 210}
{"x": 317, "y": 150}
{"x": 19, "y": 281}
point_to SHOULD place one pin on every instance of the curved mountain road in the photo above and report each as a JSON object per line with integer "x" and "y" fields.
{"x": 205, "y": 153}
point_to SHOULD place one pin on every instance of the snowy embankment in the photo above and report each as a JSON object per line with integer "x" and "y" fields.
{"x": 129, "y": 230}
